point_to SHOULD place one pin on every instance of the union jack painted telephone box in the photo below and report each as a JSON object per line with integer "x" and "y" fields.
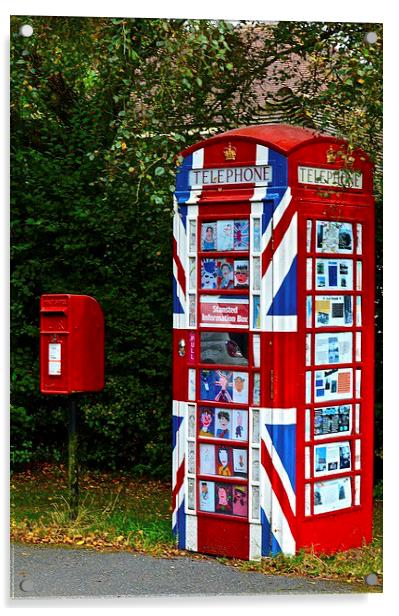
{"x": 273, "y": 301}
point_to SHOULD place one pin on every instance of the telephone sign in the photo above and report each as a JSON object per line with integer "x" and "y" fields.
{"x": 273, "y": 317}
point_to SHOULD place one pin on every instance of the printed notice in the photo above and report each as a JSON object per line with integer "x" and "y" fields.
{"x": 54, "y": 351}
{"x": 331, "y": 495}
{"x": 334, "y": 274}
{"x": 333, "y": 310}
{"x": 334, "y": 236}
{"x": 332, "y": 458}
{"x": 333, "y": 384}
{"x": 333, "y": 348}
{"x": 54, "y": 359}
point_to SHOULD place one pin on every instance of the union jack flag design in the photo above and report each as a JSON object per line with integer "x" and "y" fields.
{"x": 277, "y": 480}
{"x": 178, "y": 475}
{"x": 187, "y": 198}
{"x": 279, "y": 247}
{"x": 271, "y": 528}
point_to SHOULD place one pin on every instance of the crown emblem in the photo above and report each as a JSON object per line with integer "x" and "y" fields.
{"x": 331, "y": 155}
{"x": 230, "y": 152}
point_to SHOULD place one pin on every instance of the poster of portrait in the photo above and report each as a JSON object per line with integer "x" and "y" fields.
{"x": 206, "y": 421}
{"x": 240, "y": 462}
{"x": 240, "y": 500}
{"x": 224, "y": 462}
{"x": 207, "y": 496}
{"x": 240, "y": 387}
{"x": 240, "y": 425}
{"x": 225, "y": 273}
{"x": 208, "y": 236}
{"x": 209, "y": 274}
{"x": 223, "y": 423}
{"x": 207, "y": 459}
{"x": 241, "y": 274}
{"x": 224, "y": 498}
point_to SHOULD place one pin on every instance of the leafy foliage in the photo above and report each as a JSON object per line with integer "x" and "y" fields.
{"x": 99, "y": 110}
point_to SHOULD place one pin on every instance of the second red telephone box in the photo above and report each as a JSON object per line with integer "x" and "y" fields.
{"x": 273, "y": 307}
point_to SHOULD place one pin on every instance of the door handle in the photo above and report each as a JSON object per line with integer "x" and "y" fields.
{"x": 182, "y": 347}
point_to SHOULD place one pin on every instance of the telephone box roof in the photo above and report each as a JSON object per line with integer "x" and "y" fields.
{"x": 281, "y": 137}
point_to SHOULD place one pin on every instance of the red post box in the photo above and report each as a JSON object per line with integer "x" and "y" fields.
{"x": 71, "y": 344}
{"x": 273, "y": 317}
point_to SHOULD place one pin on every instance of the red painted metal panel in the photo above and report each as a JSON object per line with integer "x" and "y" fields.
{"x": 76, "y": 323}
{"x": 223, "y": 537}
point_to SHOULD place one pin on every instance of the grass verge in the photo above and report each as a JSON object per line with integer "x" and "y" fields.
{"x": 122, "y": 513}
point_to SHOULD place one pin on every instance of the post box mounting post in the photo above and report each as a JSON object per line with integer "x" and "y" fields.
{"x": 73, "y": 469}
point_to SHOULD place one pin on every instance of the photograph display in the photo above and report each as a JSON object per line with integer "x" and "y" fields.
{"x": 332, "y": 458}
{"x": 224, "y": 273}
{"x": 333, "y": 311}
{"x": 333, "y": 384}
{"x": 224, "y": 348}
{"x": 241, "y": 274}
{"x": 334, "y": 274}
{"x": 225, "y": 235}
{"x": 331, "y": 420}
{"x": 229, "y": 424}
{"x": 335, "y": 237}
{"x": 208, "y": 236}
{"x": 331, "y": 495}
{"x": 333, "y": 348}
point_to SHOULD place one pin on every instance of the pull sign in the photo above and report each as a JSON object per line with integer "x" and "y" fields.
{"x": 54, "y": 359}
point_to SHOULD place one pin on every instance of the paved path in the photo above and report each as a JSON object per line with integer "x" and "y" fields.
{"x": 38, "y": 572}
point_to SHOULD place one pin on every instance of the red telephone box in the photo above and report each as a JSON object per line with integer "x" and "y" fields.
{"x": 71, "y": 344}
{"x": 273, "y": 307}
